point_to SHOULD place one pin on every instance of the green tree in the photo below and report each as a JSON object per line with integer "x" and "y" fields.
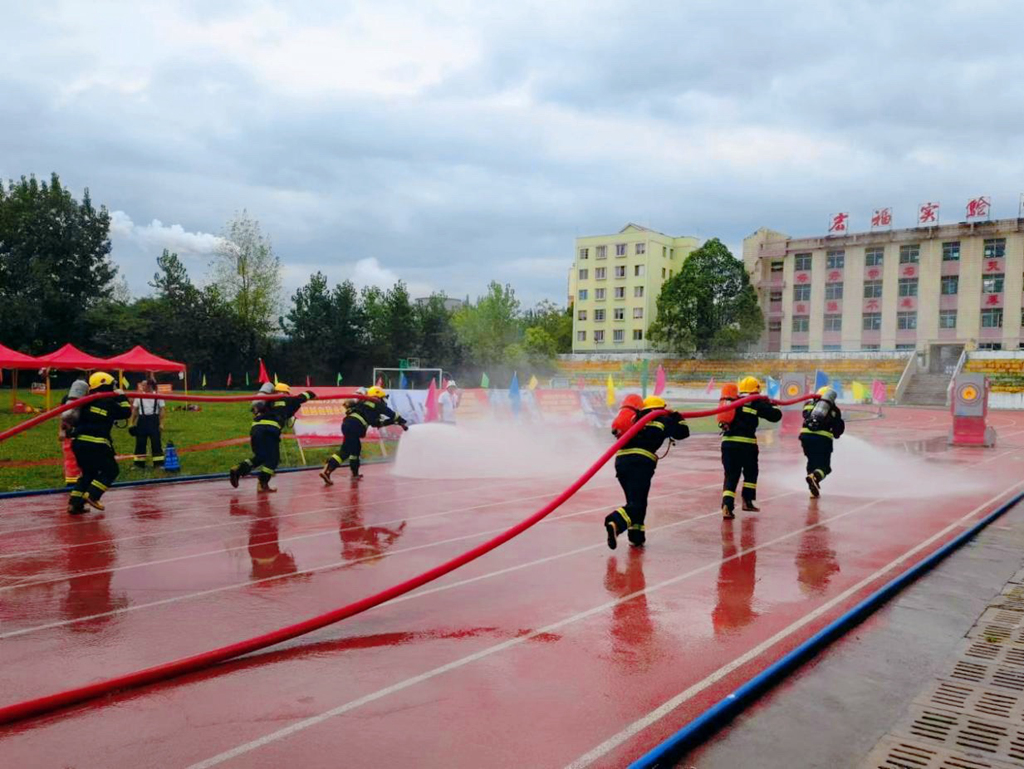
{"x": 54, "y": 264}
{"x": 554, "y": 320}
{"x": 709, "y": 306}
{"x": 248, "y": 274}
{"x": 486, "y": 329}
{"x": 439, "y": 342}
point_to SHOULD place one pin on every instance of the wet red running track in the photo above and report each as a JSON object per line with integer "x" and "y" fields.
{"x": 550, "y": 652}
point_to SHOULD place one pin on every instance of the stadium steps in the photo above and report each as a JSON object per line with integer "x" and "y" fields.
{"x": 926, "y": 390}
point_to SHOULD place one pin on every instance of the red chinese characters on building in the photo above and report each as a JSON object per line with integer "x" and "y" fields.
{"x": 992, "y": 299}
{"x": 978, "y": 208}
{"x": 882, "y": 218}
{"x": 832, "y": 307}
{"x": 991, "y": 265}
{"x": 907, "y": 302}
{"x": 802, "y": 277}
{"x": 835, "y": 275}
{"x": 871, "y": 304}
{"x": 839, "y": 223}
{"x": 874, "y": 272}
{"x": 928, "y": 214}
{"x": 909, "y": 271}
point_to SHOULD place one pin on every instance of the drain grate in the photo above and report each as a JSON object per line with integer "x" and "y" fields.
{"x": 990, "y": 674}
{"x": 973, "y": 700}
{"x": 997, "y": 625}
{"x": 979, "y": 738}
{"x": 897, "y": 753}
{"x": 1012, "y": 598}
{"x": 985, "y": 650}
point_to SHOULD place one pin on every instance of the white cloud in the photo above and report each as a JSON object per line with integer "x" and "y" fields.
{"x": 156, "y": 236}
{"x": 363, "y": 273}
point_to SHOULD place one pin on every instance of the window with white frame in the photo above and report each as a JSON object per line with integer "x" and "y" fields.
{"x": 600, "y": 273}
{"x": 833, "y": 290}
{"x": 802, "y": 293}
{"x": 599, "y": 336}
{"x": 618, "y": 335}
{"x": 638, "y": 313}
{"x": 947, "y": 318}
{"x": 872, "y": 321}
{"x": 908, "y": 286}
{"x": 995, "y": 248}
{"x": 638, "y": 334}
{"x": 906, "y": 321}
{"x": 638, "y": 270}
{"x": 992, "y": 284}
{"x": 584, "y": 253}
{"x": 583, "y": 294}
{"x": 799, "y": 347}
{"x": 910, "y": 254}
{"x": 873, "y": 257}
{"x": 871, "y": 347}
{"x": 599, "y": 294}
{"x": 620, "y": 249}
{"x": 949, "y": 285}
{"x": 833, "y": 322}
{"x": 872, "y": 289}
{"x": 992, "y": 317}
{"x": 619, "y": 313}
{"x": 801, "y": 323}
{"x": 581, "y": 336}
{"x": 602, "y": 252}
{"x": 583, "y": 274}
{"x": 619, "y": 292}
{"x": 638, "y": 291}
{"x": 599, "y": 316}
{"x": 620, "y": 271}
{"x": 835, "y": 260}
{"x": 951, "y": 251}
{"x": 802, "y": 262}
{"x": 581, "y": 315}
{"x": 641, "y": 248}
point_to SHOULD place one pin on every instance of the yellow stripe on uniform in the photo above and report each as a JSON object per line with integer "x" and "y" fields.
{"x": 337, "y": 459}
{"x": 739, "y": 439}
{"x": 638, "y": 527}
{"x": 360, "y": 418}
{"x": 659, "y": 425}
{"x": 729, "y": 494}
{"x": 267, "y": 422}
{"x": 822, "y": 433}
{"x": 99, "y": 485}
{"x": 92, "y": 439}
{"x": 625, "y": 516}
{"x": 750, "y": 485}
{"x": 98, "y": 410}
{"x": 638, "y": 452}
{"x": 749, "y": 410}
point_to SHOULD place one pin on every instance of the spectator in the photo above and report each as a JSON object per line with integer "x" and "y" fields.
{"x": 148, "y": 421}
{"x": 448, "y": 402}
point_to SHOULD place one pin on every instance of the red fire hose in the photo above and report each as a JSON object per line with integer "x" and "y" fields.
{"x": 28, "y": 708}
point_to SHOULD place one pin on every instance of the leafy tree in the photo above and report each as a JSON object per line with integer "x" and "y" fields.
{"x": 555, "y": 321}
{"x": 709, "y": 305}
{"x": 490, "y": 326}
{"x": 540, "y": 346}
{"x": 54, "y": 263}
{"x": 248, "y": 274}
{"x": 439, "y": 342}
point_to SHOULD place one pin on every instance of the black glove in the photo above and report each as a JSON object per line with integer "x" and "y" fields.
{"x": 310, "y": 395}
{"x": 405, "y": 427}
{"x": 133, "y": 430}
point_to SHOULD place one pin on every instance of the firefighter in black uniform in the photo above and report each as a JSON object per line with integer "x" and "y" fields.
{"x": 823, "y": 424}
{"x": 739, "y": 448}
{"x": 270, "y": 417}
{"x": 360, "y": 417}
{"x": 91, "y": 443}
{"x": 634, "y": 467}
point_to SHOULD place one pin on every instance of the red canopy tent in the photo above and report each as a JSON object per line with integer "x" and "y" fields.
{"x": 140, "y": 359}
{"x": 15, "y": 360}
{"x": 70, "y": 357}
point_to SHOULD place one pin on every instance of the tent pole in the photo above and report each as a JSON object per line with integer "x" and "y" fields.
{"x": 46, "y": 374}
{"x": 14, "y": 389}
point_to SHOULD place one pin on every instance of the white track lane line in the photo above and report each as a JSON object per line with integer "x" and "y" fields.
{"x": 307, "y": 723}
{"x": 335, "y": 565}
{"x": 667, "y": 707}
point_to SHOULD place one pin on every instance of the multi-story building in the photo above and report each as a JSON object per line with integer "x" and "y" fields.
{"x": 932, "y": 289}
{"x": 614, "y": 285}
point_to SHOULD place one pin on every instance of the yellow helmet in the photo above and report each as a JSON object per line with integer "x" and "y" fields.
{"x": 281, "y": 387}
{"x": 823, "y": 390}
{"x": 749, "y": 384}
{"x": 376, "y": 392}
{"x": 654, "y": 402}
{"x": 100, "y": 379}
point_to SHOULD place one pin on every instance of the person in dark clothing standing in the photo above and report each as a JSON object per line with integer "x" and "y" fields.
{"x": 635, "y": 464}
{"x": 148, "y": 420}
{"x": 270, "y": 416}
{"x": 739, "y": 448}
{"x": 823, "y": 424}
{"x": 360, "y": 417}
{"x": 92, "y": 444}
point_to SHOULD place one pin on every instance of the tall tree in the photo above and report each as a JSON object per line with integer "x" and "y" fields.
{"x": 439, "y": 342}
{"x": 709, "y": 305}
{"x": 488, "y": 328}
{"x": 54, "y": 263}
{"x": 249, "y": 276}
{"x": 555, "y": 321}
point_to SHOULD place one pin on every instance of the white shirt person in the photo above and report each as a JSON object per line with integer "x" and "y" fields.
{"x": 447, "y": 402}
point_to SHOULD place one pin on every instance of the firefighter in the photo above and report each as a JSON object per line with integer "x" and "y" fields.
{"x": 739, "y": 447}
{"x": 92, "y": 446}
{"x": 823, "y": 424}
{"x": 634, "y": 467}
{"x": 270, "y": 416}
{"x": 360, "y": 416}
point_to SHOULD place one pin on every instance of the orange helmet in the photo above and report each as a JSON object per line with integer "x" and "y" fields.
{"x": 730, "y": 390}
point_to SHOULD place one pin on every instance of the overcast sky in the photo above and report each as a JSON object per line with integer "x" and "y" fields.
{"x": 448, "y": 144}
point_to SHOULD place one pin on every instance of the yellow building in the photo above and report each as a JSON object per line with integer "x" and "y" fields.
{"x": 614, "y": 285}
{"x": 931, "y": 289}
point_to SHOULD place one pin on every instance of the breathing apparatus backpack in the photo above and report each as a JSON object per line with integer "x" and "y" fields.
{"x": 632, "y": 405}
{"x": 818, "y": 418}
{"x": 730, "y": 393}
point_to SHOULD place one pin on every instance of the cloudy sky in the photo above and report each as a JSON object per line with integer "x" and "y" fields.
{"x": 451, "y": 143}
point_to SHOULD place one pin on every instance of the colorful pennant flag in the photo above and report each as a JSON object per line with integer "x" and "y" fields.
{"x": 610, "y": 386}
{"x": 711, "y": 385}
{"x": 204, "y": 381}
{"x": 124, "y": 382}
{"x": 246, "y": 378}
{"x": 860, "y": 392}
{"x": 275, "y": 379}
{"x": 532, "y": 384}
{"x": 513, "y": 394}
{"x": 772, "y": 385}
{"x": 403, "y": 383}
{"x": 263, "y": 378}
{"x": 878, "y": 391}
{"x": 337, "y": 380}
{"x": 431, "y": 414}
{"x": 485, "y": 381}
{"x": 229, "y": 379}
{"x": 837, "y": 385}
{"x": 820, "y": 380}
{"x": 659, "y": 380}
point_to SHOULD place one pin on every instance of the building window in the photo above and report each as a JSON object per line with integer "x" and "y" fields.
{"x": 872, "y": 321}
{"x": 951, "y": 251}
{"x": 584, "y": 253}
{"x": 833, "y": 290}
{"x": 992, "y": 284}
{"x": 905, "y": 346}
{"x": 833, "y": 322}
{"x": 620, "y": 271}
{"x": 671, "y": 253}
{"x": 599, "y": 336}
{"x": 873, "y": 256}
{"x": 872, "y": 289}
{"x": 600, "y": 273}
{"x": 906, "y": 321}
{"x": 777, "y": 267}
{"x": 800, "y": 323}
{"x": 638, "y": 312}
{"x": 832, "y": 347}
{"x": 619, "y": 313}
{"x": 618, "y": 335}
{"x": 995, "y": 248}
{"x": 835, "y": 260}
{"x": 992, "y": 317}
{"x": 802, "y": 293}
{"x": 638, "y": 270}
{"x": 775, "y": 296}
{"x": 641, "y": 248}
{"x": 908, "y": 286}
{"x": 910, "y": 254}
{"x": 638, "y": 334}
{"x": 638, "y": 291}
{"x": 583, "y": 274}
{"x": 670, "y": 274}
{"x": 799, "y": 348}
{"x": 774, "y": 326}
{"x": 602, "y": 252}
{"x": 583, "y": 294}
{"x": 947, "y": 318}
{"x": 802, "y": 262}
{"x": 663, "y": 273}
{"x": 990, "y": 346}
{"x": 620, "y": 292}
{"x": 664, "y": 252}
{"x": 871, "y": 347}
{"x": 950, "y": 285}
{"x": 581, "y": 315}
{"x": 620, "y": 249}
{"x": 581, "y": 336}
{"x": 599, "y": 316}
{"x": 599, "y": 294}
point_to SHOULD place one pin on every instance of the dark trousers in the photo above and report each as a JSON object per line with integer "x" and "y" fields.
{"x": 634, "y": 474}
{"x": 265, "y": 442}
{"x": 818, "y": 450}
{"x": 99, "y": 469}
{"x": 739, "y": 459}
{"x": 147, "y": 431}
{"x": 352, "y": 433}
